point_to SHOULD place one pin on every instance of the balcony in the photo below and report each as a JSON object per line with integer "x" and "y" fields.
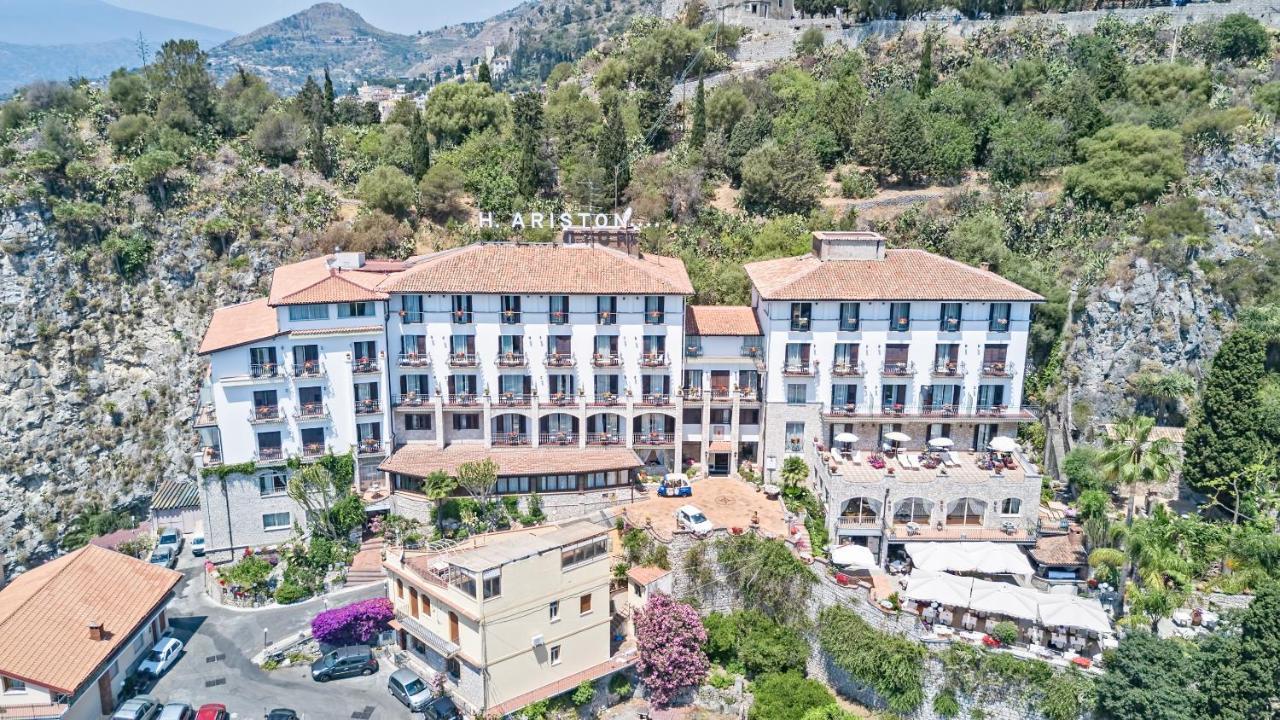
{"x": 266, "y": 414}
{"x": 564, "y": 438}
{"x": 798, "y": 369}
{"x": 755, "y": 352}
{"x": 368, "y": 406}
{"x": 412, "y": 318}
{"x": 655, "y": 317}
{"x": 693, "y": 351}
{"x": 606, "y": 360}
{"x": 655, "y": 400}
{"x": 898, "y": 369}
{"x": 462, "y": 317}
{"x": 311, "y": 411}
{"x": 211, "y": 455}
{"x": 363, "y": 366}
{"x": 607, "y": 318}
{"x": 265, "y": 371}
{"x": 842, "y": 368}
{"x": 858, "y": 522}
{"x": 720, "y": 394}
{"x": 558, "y": 317}
{"x": 270, "y": 454}
{"x": 561, "y": 399}
{"x": 847, "y": 410}
{"x": 998, "y": 325}
{"x": 411, "y": 400}
{"x": 510, "y": 439}
{"x": 511, "y": 359}
{"x": 949, "y": 324}
{"x": 606, "y": 400}
{"x": 603, "y": 439}
{"x": 313, "y": 450}
{"x": 654, "y": 438}
{"x": 801, "y": 324}
{"x": 902, "y": 324}
{"x": 997, "y": 369}
{"x": 372, "y": 446}
{"x": 510, "y": 317}
{"x": 947, "y": 368}
{"x": 308, "y": 369}
{"x": 462, "y": 360}
{"x": 206, "y": 416}
{"x": 513, "y": 399}
{"x": 692, "y": 395}
{"x": 463, "y": 399}
{"x": 847, "y": 325}
{"x": 654, "y": 359}
{"x": 559, "y": 360}
{"x": 413, "y": 360}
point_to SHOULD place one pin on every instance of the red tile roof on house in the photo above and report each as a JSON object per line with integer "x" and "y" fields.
{"x": 721, "y": 320}
{"x": 112, "y": 540}
{"x": 238, "y": 325}
{"x": 902, "y": 275}
{"x": 421, "y": 459}
{"x": 644, "y": 574}
{"x": 542, "y": 268}
{"x": 45, "y": 614}
{"x": 314, "y": 281}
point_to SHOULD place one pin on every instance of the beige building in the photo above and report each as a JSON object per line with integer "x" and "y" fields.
{"x": 509, "y": 618}
{"x": 73, "y": 629}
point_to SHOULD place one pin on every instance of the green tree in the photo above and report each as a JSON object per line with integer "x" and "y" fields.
{"x": 438, "y": 487}
{"x": 1126, "y": 165}
{"x": 780, "y": 179}
{"x": 328, "y": 97}
{"x": 128, "y": 91}
{"x": 243, "y": 100}
{"x": 1224, "y": 434}
{"x": 180, "y": 70}
{"x": 614, "y": 154}
{"x": 1131, "y": 458}
{"x": 387, "y": 189}
{"x": 747, "y": 641}
{"x": 727, "y": 105}
{"x": 1267, "y": 97}
{"x": 1240, "y": 38}
{"x": 1096, "y": 55}
{"x": 1022, "y": 147}
{"x": 126, "y": 134}
{"x": 784, "y": 696}
{"x": 924, "y": 76}
{"x": 440, "y": 194}
{"x": 698, "y": 134}
{"x": 456, "y": 111}
{"x": 810, "y": 42}
{"x": 1148, "y": 679}
{"x": 830, "y": 712}
{"x": 483, "y": 75}
{"x": 419, "y": 146}
{"x": 528, "y": 126}
{"x": 795, "y": 471}
{"x": 479, "y": 478}
{"x": 319, "y": 491}
{"x": 91, "y": 521}
{"x": 278, "y": 137}
{"x": 153, "y": 168}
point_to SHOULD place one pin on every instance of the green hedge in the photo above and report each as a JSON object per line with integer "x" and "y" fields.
{"x": 893, "y": 666}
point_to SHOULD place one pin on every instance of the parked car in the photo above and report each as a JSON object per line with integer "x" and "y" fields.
{"x": 162, "y": 657}
{"x": 344, "y": 662}
{"x": 690, "y": 517}
{"x": 442, "y": 708}
{"x": 142, "y": 707}
{"x": 282, "y": 714}
{"x": 406, "y": 686}
{"x": 213, "y": 711}
{"x": 177, "y": 711}
{"x": 163, "y": 556}
{"x": 170, "y": 538}
{"x": 197, "y": 545}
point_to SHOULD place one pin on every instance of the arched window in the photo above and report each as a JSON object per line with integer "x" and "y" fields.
{"x": 965, "y": 511}
{"x": 912, "y": 509}
{"x": 1011, "y": 506}
{"x": 860, "y": 510}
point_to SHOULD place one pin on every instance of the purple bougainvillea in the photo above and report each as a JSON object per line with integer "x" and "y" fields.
{"x": 358, "y": 622}
{"x": 669, "y": 636}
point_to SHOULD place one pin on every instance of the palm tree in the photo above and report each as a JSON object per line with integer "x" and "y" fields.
{"x": 438, "y": 486}
{"x": 1131, "y": 458}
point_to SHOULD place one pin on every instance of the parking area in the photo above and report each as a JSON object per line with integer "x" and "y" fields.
{"x": 727, "y": 502}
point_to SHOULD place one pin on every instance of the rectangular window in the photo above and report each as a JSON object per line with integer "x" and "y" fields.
{"x": 998, "y": 320}
{"x": 466, "y": 421}
{"x": 844, "y": 396}
{"x": 462, "y": 309}
{"x": 412, "y": 309}
{"x": 308, "y": 312}
{"x": 559, "y": 312}
{"x": 584, "y": 604}
{"x": 555, "y": 654}
{"x": 748, "y": 416}
{"x": 557, "y": 483}
{"x": 417, "y": 421}
{"x": 12, "y": 685}
{"x": 795, "y": 437}
{"x": 900, "y": 316}
{"x": 464, "y": 580}
{"x": 797, "y": 393}
{"x": 553, "y": 610}
{"x": 585, "y": 551}
{"x": 510, "y": 309}
{"x": 512, "y": 485}
{"x": 801, "y": 316}
{"x": 949, "y": 318}
{"x": 654, "y": 309}
{"x": 275, "y": 521}
{"x": 849, "y": 316}
{"x": 797, "y": 359}
{"x": 355, "y": 309}
{"x": 607, "y": 310}
{"x": 492, "y": 583}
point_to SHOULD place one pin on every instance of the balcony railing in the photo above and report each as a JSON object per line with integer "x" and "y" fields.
{"x": 411, "y": 400}
{"x": 559, "y": 360}
{"x": 654, "y": 359}
{"x": 751, "y": 351}
{"x": 693, "y": 351}
{"x": 511, "y": 359}
{"x": 798, "y": 369}
{"x": 602, "y": 439}
{"x": 558, "y": 317}
{"x": 997, "y": 369}
{"x": 462, "y": 359}
{"x": 266, "y": 413}
{"x": 372, "y": 446}
{"x": 412, "y": 318}
{"x": 364, "y": 365}
{"x": 846, "y": 410}
{"x": 949, "y": 324}
{"x": 998, "y": 325}
{"x": 842, "y": 368}
{"x": 693, "y": 394}
{"x": 720, "y": 393}
{"x": 902, "y": 324}
{"x": 800, "y": 324}
{"x": 368, "y": 406}
{"x": 510, "y": 317}
{"x": 847, "y": 325}
{"x": 748, "y": 394}
{"x": 311, "y": 450}
{"x": 211, "y": 455}
{"x": 265, "y": 370}
{"x": 607, "y": 399}
{"x": 899, "y": 369}
{"x": 510, "y": 439}
{"x": 562, "y": 399}
{"x": 857, "y": 522}
{"x": 310, "y": 411}
{"x": 948, "y": 368}
{"x": 270, "y": 454}
{"x": 465, "y": 399}
{"x": 607, "y": 318}
{"x": 655, "y": 400}
{"x": 414, "y": 360}
{"x": 558, "y": 438}
{"x": 655, "y": 317}
{"x": 606, "y": 360}
{"x": 654, "y": 438}
{"x": 308, "y": 368}
{"x": 462, "y": 317}
{"x": 206, "y": 415}
{"x": 513, "y": 399}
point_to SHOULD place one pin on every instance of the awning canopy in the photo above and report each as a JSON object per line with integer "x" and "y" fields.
{"x": 1004, "y": 599}
{"x": 1049, "y": 610}
{"x": 719, "y": 446}
{"x": 981, "y": 557}
{"x": 939, "y": 588}
{"x": 853, "y": 554}
{"x": 1074, "y": 612}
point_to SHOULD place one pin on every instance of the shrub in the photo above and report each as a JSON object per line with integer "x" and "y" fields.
{"x": 278, "y": 137}
{"x": 357, "y": 622}
{"x": 810, "y": 42}
{"x": 619, "y": 685}
{"x": 290, "y": 593}
{"x": 387, "y": 189}
{"x": 1266, "y": 97}
{"x": 945, "y": 704}
{"x": 784, "y": 696}
{"x": 780, "y": 178}
{"x": 857, "y": 184}
{"x": 891, "y": 665}
{"x": 251, "y": 572}
{"x": 1241, "y": 38}
{"x": 669, "y": 638}
{"x": 750, "y": 643}
{"x": 1125, "y": 165}
{"x": 584, "y": 693}
{"x": 1006, "y": 632}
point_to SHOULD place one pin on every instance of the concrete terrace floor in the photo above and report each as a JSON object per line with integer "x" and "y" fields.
{"x": 727, "y": 502}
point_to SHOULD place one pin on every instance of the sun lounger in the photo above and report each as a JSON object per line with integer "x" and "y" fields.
{"x": 854, "y": 457}
{"x": 950, "y": 460}
{"x": 908, "y": 462}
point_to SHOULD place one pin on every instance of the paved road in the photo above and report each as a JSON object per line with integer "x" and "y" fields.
{"x": 216, "y": 665}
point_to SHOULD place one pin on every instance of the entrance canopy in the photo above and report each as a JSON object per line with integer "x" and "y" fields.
{"x": 988, "y": 558}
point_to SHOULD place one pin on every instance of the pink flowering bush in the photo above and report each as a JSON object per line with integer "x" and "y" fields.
{"x": 670, "y": 636}
{"x": 350, "y": 624}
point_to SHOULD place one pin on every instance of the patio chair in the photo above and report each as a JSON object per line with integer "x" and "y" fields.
{"x": 854, "y": 457}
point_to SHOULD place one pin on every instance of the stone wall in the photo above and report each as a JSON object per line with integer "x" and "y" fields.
{"x": 556, "y": 506}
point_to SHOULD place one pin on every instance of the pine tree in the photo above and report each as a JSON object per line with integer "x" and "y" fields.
{"x": 310, "y": 102}
{"x": 482, "y": 73}
{"x": 925, "y": 79}
{"x": 419, "y": 146}
{"x": 458, "y": 70}
{"x": 1224, "y": 436}
{"x": 699, "y": 133}
{"x": 318, "y": 150}
{"x": 527, "y": 127}
{"x": 613, "y": 152}
{"x": 330, "y": 103}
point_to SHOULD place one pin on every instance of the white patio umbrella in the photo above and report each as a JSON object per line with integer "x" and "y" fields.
{"x": 1000, "y": 443}
{"x": 896, "y": 436}
{"x": 1073, "y": 612}
{"x": 854, "y": 555}
{"x": 1003, "y": 599}
{"x": 940, "y": 588}
{"x": 941, "y": 442}
{"x": 846, "y": 437}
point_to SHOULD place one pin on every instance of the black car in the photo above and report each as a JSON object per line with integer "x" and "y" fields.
{"x": 344, "y": 662}
{"x": 442, "y": 708}
{"x": 282, "y": 714}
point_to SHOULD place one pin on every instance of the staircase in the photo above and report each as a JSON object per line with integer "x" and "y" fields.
{"x": 366, "y": 567}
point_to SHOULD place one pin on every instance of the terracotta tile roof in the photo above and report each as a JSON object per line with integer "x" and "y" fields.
{"x": 45, "y": 614}
{"x": 420, "y": 459}
{"x": 721, "y": 320}
{"x": 903, "y": 275}
{"x": 112, "y": 540}
{"x": 313, "y": 281}
{"x": 562, "y": 685}
{"x": 645, "y": 574}
{"x": 1060, "y": 549}
{"x": 171, "y": 495}
{"x": 541, "y": 269}
{"x": 239, "y": 324}
{"x": 316, "y": 332}
{"x": 719, "y": 446}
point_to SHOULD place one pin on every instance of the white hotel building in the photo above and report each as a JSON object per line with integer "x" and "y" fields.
{"x": 575, "y": 364}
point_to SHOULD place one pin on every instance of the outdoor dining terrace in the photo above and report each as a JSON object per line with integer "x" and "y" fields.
{"x": 913, "y": 466}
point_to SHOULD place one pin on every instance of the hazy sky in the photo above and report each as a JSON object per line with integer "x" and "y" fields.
{"x": 402, "y": 16}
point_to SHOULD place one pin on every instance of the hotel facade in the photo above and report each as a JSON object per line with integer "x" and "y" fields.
{"x": 574, "y": 365}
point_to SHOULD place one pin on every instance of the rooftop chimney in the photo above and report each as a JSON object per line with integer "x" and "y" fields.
{"x": 95, "y": 630}
{"x": 984, "y": 266}
{"x": 848, "y": 246}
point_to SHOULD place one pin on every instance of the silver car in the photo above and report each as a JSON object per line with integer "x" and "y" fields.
{"x": 142, "y": 707}
{"x": 405, "y": 686}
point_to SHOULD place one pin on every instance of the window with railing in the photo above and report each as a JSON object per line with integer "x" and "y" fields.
{"x": 795, "y": 437}
{"x": 312, "y": 441}
{"x": 607, "y": 310}
{"x": 306, "y": 360}
{"x": 606, "y": 351}
{"x": 558, "y": 314}
{"x": 900, "y": 316}
{"x": 998, "y": 319}
{"x": 801, "y": 316}
{"x": 797, "y": 359}
{"x": 995, "y": 360}
{"x": 413, "y": 351}
{"x": 850, "y": 313}
{"x": 753, "y": 347}
{"x": 896, "y": 360}
{"x": 846, "y": 360}
{"x": 310, "y": 402}
{"x": 844, "y": 395}
{"x": 654, "y": 350}
{"x": 262, "y": 362}
{"x": 265, "y": 405}
{"x": 461, "y": 305}
{"x": 510, "y": 350}
{"x": 949, "y": 317}
{"x": 412, "y": 309}
{"x": 946, "y": 359}
{"x": 510, "y": 309}
{"x": 462, "y": 350}
{"x": 364, "y": 356}
{"x": 269, "y": 447}
{"x": 654, "y": 309}
{"x": 693, "y": 346}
